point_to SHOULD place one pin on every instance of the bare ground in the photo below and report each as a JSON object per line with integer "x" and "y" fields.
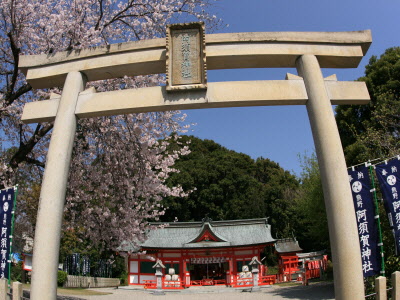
{"x": 320, "y": 291}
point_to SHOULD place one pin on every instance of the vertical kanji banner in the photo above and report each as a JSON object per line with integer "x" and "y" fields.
{"x": 365, "y": 215}
{"x": 6, "y": 211}
{"x": 389, "y": 182}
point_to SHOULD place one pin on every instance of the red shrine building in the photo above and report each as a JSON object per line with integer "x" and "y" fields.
{"x": 200, "y": 253}
{"x": 294, "y": 265}
{"x": 287, "y": 251}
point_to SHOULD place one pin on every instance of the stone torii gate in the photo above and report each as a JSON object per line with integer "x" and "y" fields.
{"x": 306, "y": 51}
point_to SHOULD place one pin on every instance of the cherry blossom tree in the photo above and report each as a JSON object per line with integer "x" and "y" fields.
{"x": 120, "y": 163}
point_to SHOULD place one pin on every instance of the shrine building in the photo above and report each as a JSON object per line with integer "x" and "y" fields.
{"x": 287, "y": 251}
{"x": 199, "y": 253}
{"x": 293, "y": 264}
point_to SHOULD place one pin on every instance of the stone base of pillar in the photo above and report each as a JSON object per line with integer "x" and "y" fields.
{"x": 17, "y": 290}
{"x": 255, "y": 289}
{"x": 396, "y": 285}
{"x": 380, "y": 288}
{"x": 3, "y": 289}
{"x": 158, "y": 293}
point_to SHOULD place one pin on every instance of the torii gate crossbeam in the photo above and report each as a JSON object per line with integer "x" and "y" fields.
{"x": 308, "y": 52}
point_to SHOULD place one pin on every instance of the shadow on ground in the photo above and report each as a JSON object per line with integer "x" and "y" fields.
{"x": 320, "y": 291}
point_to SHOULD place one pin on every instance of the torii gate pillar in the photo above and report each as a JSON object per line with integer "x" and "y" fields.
{"x": 337, "y": 195}
{"x": 52, "y": 195}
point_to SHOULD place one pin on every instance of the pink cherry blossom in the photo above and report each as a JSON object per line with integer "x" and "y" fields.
{"x": 120, "y": 163}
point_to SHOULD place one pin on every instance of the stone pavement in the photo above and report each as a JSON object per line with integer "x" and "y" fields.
{"x": 316, "y": 291}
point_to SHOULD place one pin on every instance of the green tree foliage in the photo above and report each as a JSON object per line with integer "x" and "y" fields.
{"x": 373, "y": 130}
{"x": 226, "y": 185}
{"x": 61, "y": 277}
{"x": 312, "y": 228}
{"x": 16, "y": 271}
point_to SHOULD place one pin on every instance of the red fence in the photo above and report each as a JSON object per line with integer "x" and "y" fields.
{"x": 205, "y": 282}
{"x": 288, "y": 270}
{"x": 313, "y": 269}
{"x": 237, "y": 282}
{"x": 267, "y": 280}
{"x": 166, "y": 284}
{"x": 248, "y": 282}
{"x": 242, "y": 282}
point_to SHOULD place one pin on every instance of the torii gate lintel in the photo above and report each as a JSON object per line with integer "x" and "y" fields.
{"x": 291, "y": 91}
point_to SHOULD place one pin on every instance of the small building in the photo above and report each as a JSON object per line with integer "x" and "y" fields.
{"x": 294, "y": 265}
{"x": 314, "y": 263}
{"x": 288, "y": 260}
{"x": 199, "y": 253}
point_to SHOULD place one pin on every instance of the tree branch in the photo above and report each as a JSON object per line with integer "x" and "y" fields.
{"x": 25, "y": 148}
{"x": 35, "y": 162}
{"x": 13, "y": 96}
{"x": 15, "y": 51}
{"x": 101, "y": 15}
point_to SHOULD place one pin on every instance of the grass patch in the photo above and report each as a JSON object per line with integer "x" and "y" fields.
{"x": 72, "y": 291}
{"x": 273, "y": 270}
{"x": 310, "y": 282}
{"x": 79, "y": 292}
{"x": 289, "y": 283}
{"x": 320, "y": 280}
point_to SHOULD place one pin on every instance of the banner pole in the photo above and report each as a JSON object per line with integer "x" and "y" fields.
{"x": 378, "y": 220}
{"x": 12, "y": 231}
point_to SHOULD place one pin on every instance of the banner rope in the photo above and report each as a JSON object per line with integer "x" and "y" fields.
{"x": 367, "y": 163}
{"x": 390, "y": 158}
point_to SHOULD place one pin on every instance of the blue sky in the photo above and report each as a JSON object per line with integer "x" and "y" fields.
{"x": 281, "y": 133}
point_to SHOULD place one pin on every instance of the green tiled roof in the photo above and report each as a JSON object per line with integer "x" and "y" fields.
{"x": 231, "y": 233}
{"x": 287, "y": 246}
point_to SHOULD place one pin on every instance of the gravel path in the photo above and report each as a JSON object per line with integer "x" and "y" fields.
{"x": 318, "y": 291}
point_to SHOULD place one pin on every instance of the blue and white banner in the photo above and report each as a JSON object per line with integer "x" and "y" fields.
{"x": 389, "y": 181}
{"x": 366, "y": 222}
{"x": 6, "y": 213}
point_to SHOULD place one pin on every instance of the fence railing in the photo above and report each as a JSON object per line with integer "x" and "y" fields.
{"x": 381, "y": 290}
{"x": 90, "y": 282}
{"x": 248, "y": 282}
{"x": 267, "y": 280}
{"x": 369, "y": 296}
{"x": 16, "y": 292}
{"x": 242, "y": 282}
{"x": 205, "y": 282}
{"x": 166, "y": 284}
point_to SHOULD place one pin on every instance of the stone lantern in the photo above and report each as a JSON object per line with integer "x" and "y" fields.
{"x": 255, "y": 272}
{"x": 159, "y": 274}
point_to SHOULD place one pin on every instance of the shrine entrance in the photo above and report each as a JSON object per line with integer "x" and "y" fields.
{"x": 209, "y": 273}
{"x": 184, "y": 57}
{"x": 208, "y": 270}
